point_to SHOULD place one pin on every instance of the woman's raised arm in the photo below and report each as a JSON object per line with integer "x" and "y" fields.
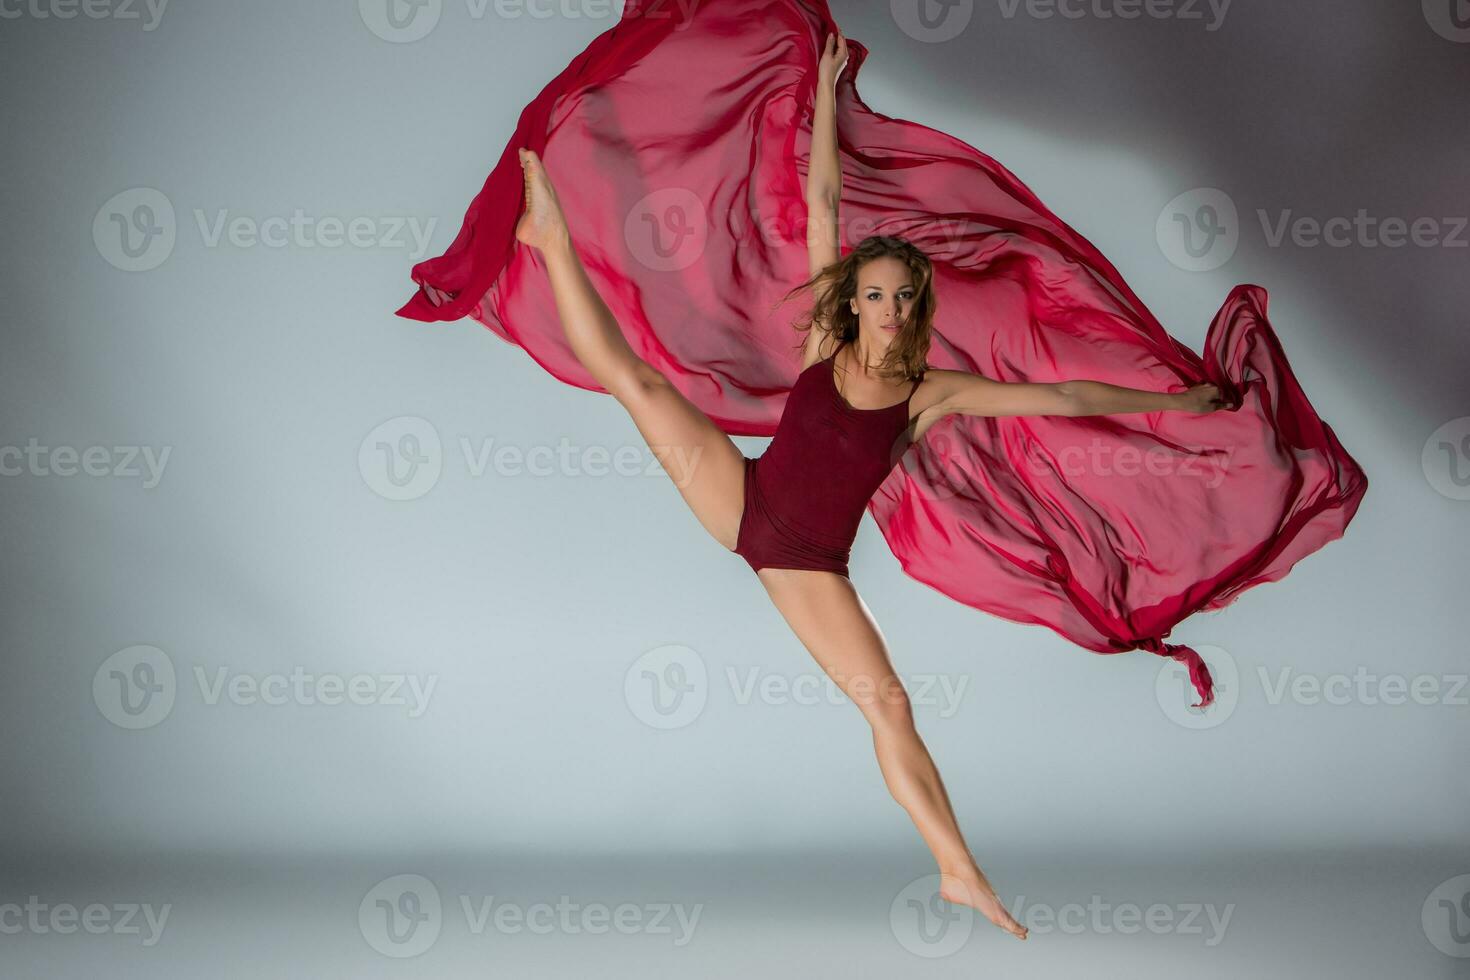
{"x": 824, "y": 180}
{"x": 824, "y": 175}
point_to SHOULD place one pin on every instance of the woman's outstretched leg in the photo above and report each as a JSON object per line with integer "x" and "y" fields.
{"x": 706, "y": 466}
{"x": 834, "y": 624}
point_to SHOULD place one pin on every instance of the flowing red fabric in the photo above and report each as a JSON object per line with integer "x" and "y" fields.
{"x": 678, "y": 143}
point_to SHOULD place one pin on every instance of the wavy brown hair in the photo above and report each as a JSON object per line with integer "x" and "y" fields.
{"x": 836, "y": 284}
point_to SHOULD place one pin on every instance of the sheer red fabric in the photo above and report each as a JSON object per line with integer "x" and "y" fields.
{"x": 678, "y": 143}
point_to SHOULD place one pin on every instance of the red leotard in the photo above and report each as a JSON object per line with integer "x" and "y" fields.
{"x": 805, "y": 499}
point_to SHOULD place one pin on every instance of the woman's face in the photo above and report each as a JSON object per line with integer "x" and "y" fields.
{"x": 884, "y": 297}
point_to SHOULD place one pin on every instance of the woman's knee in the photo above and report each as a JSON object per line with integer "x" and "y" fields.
{"x": 885, "y": 704}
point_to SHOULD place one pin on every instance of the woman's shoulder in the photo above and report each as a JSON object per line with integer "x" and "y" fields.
{"x": 943, "y": 377}
{"x": 934, "y": 385}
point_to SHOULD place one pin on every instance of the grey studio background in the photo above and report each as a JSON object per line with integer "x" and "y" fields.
{"x": 488, "y": 638}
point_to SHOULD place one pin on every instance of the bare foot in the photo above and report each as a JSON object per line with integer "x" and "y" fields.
{"x": 969, "y": 887}
{"x": 542, "y": 223}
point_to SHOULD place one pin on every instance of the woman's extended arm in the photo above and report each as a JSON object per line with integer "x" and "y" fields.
{"x": 961, "y": 393}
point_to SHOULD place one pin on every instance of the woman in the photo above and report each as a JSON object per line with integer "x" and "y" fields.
{"x": 862, "y": 395}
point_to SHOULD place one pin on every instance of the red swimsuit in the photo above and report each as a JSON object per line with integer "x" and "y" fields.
{"x": 805, "y": 499}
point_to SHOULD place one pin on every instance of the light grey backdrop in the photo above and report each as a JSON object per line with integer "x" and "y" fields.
{"x": 266, "y": 362}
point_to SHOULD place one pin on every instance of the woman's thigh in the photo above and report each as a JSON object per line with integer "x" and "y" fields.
{"x": 831, "y": 620}
{"x": 707, "y": 468}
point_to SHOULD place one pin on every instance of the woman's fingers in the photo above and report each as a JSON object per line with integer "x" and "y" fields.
{"x": 834, "y": 54}
{"x": 1209, "y": 397}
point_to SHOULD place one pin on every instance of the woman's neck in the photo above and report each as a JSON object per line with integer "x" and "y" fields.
{"x": 861, "y": 359}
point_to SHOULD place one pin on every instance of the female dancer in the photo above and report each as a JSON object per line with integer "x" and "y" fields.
{"x": 863, "y": 393}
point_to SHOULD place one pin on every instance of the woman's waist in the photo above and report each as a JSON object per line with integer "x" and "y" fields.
{"x": 827, "y": 512}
